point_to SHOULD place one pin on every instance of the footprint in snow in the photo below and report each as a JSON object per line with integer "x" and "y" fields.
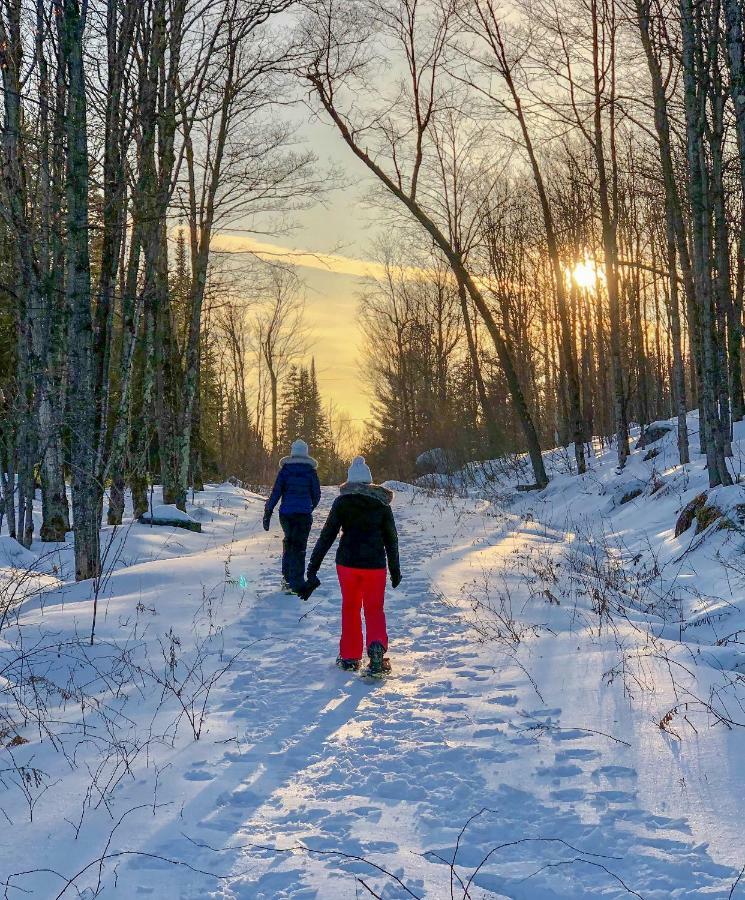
{"x": 613, "y": 772}
{"x": 487, "y": 732}
{"x": 524, "y": 741}
{"x": 575, "y": 753}
{"x": 602, "y": 798}
{"x": 544, "y": 713}
{"x": 563, "y": 771}
{"x": 568, "y": 734}
{"x": 472, "y": 676}
{"x": 503, "y": 700}
{"x": 568, "y": 795}
{"x": 198, "y": 775}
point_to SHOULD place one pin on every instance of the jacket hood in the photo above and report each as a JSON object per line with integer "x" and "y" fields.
{"x": 374, "y": 491}
{"x": 298, "y": 461}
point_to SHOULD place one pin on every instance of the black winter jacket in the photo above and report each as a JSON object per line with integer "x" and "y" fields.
{"x": 368, "y": 531}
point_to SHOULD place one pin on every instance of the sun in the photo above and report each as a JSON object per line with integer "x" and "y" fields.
{"x": 585, "y": 274}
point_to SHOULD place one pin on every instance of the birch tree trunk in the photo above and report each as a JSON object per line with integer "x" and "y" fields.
{"x": 46, "y": 337}
{"x": 679, "y": 388}
{"x": 675, "y": 230}
{"x": 38, "y": 418}
{"x": 87, "y": 490}
{"x": 610, "y": 237}
{"x": 695, "y": 77}
{"x": 722, "y": 281}
{"x": 733, "y": 14}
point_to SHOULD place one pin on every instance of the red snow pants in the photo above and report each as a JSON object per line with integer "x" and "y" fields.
{"x": 361, "y": 589}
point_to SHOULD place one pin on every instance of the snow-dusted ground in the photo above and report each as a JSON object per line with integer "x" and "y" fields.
{"x": 563, "y": 722}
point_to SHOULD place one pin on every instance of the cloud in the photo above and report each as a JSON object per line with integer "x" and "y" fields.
{"x": 326, "y": 262}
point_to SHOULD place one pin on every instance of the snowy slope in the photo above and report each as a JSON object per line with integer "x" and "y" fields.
{"x": 539, "y": 644}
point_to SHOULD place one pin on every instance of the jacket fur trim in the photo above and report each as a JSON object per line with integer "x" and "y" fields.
{"x": 298, "y": 461}
{"x": 376, "y": 491}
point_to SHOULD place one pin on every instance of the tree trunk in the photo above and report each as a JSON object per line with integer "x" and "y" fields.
{"x": 679, "y": 388}
{"x": 275, "y": 414}
{"x": 86, "y": 489}
{"x": 733, "y": 11}
{"x": 496, "y": 442}
{"x": 694, "y": 80}
{"x": 45, "y": 317}
{"x": 610, "y": 246}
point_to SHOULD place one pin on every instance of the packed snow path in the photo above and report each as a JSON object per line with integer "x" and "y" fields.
{"x": 549, "y": 781}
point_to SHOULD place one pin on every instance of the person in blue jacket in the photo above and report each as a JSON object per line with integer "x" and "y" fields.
{"x": 298, "y": 492}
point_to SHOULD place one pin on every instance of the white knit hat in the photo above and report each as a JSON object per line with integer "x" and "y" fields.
{"x": 299, "y": 448}
{"x": 359, "y": 471}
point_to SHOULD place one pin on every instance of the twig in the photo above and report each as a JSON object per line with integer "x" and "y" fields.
{"x": 736, "y": 882}
{"x": 368, "y": 888}
{"x": 588, "y": 862}
{"x": 299, "y": 848}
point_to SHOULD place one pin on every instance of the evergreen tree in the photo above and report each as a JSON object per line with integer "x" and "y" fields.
{"x": 302, "y": 416}
{"x": 290, "y": 408}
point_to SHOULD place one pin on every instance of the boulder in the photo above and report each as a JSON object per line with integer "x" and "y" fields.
{"x": 436, "y": 462}
{"x": 653, "y": 433}
{"x": 626, "y": 492}
{"x": 706, "y": 515}
{"x": 689, "y": 513}
{"x": 171, "y": 516}
{"x": 721, "y": 505}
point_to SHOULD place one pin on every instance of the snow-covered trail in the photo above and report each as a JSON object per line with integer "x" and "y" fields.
{"x": 565, "y": 789}
{"x": 393, "y": 771}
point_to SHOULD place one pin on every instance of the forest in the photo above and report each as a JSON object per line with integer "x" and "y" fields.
{"x": 372, "y": 443}
{"x": 563, "y": 187}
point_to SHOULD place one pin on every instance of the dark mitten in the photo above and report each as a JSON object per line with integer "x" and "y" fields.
{"x": 395, "y": 579}
{"x": 310, "y": 585}
{"x": 267, "y": 519}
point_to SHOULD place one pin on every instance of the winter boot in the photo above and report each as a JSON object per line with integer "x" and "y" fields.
{"x": 286, "y": 589}
{"x": 376, "y": 653}
{"x": 348, "y": 665}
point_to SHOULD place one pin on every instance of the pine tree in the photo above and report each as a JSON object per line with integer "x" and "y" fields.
{"x": 302, "y": 416}
{"x": 289, "y": 408}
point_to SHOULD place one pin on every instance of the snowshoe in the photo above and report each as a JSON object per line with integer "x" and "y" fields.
{"x": 379, "y": 665}
{"x": 348, "y": 665}
{"x": 384, "y": 672}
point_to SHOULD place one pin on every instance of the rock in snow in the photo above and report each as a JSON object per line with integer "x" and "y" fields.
{"x": 626, "y": 492}
{"x": 435, "y": 462}
{"x": 654, "y": 433}
{"x": 171, "y": 515}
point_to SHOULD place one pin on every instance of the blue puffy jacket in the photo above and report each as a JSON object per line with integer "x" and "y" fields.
{"x": 297, "y": 486}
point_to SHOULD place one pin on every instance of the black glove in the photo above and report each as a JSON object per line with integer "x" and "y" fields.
{"x": 267, "y": 519}
{"x": 311, "y": 583}
{"x": 395, "y": 579}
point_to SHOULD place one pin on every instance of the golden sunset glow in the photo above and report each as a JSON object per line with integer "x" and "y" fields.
{"x": 585, "y": 274}
{"x": 335, "y": 263}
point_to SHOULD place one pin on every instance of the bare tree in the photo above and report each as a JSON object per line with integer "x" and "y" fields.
{"x": 280, "y": 336}
{"x": 486, "y": 24}
{"x": 340, "y": 46}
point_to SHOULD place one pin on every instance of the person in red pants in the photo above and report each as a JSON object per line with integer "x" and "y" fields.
{"x": 363, "y": 514}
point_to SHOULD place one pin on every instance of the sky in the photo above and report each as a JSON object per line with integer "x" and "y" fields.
{"x": 330, "y": 246}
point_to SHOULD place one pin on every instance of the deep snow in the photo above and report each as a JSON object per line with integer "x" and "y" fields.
{"x": 565, "y": 708}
